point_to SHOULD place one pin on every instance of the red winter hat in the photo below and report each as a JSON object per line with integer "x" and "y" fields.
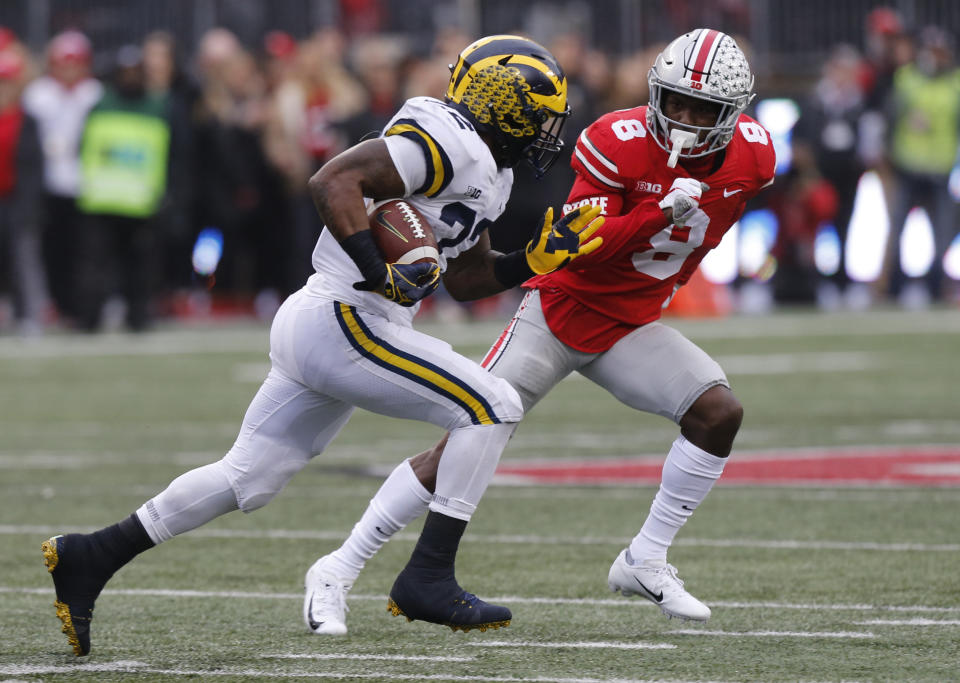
{"x": 279, "y": 45}
{"x": 7, "y": 37}
{"x": 70, "y": 46}
{"x": 11, "y": 65}
{"x": 884, "y": 21}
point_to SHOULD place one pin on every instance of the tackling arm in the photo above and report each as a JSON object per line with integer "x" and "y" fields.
{"x": 480, "y": 271}
{"x": 471, "y": 275}
{"x": 620, "y": 229}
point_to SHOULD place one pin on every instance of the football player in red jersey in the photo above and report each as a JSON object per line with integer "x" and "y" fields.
{"x": 671, "y": 178}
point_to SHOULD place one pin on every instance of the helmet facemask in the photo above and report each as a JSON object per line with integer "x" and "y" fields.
{"x": 535, "y": 138}
{"x": 709, "y": 139}
{"x": 543, "y": 152}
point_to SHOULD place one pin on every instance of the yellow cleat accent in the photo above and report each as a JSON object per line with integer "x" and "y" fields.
{"x": 51, "y": 558}
{"x": 395, "y": 610}
{"x": 495, "y": 625}
{"x": 63, "y": 613}
{"x": 49, "y": 549}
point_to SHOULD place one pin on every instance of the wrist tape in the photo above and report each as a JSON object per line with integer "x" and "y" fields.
{"x": 362, "y": 249}
{"x": 512, "y": 269}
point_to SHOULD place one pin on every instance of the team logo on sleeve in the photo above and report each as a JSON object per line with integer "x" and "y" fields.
{"x": 590, "y": 201}
{"x": 646, "y": 186}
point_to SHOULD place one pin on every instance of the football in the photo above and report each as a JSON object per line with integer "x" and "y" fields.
{"x": 402, "y": 233}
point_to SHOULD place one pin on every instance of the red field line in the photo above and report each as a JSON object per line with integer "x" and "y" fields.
{"x": 861, "y": 466}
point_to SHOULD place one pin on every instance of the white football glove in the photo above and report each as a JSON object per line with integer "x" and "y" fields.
{"x": 684, "y": 199}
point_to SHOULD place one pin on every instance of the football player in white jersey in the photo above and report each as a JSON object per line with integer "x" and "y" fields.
{"x": 345, "y": 339}
{"x": 672, "y": 178}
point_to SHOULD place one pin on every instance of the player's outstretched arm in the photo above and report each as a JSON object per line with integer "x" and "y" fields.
{"x": 480, "y": 271}
{"x": 554, "y": 245}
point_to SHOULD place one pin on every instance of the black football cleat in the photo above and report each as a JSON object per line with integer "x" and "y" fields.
{"x": 77, "y": 587}
{"x": 443, "y": 602}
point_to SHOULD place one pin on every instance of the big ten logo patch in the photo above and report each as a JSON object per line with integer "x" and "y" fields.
{"x": 646, "y": 186}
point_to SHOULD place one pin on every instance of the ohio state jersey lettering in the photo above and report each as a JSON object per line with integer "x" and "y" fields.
{"x": 589, "y": 201}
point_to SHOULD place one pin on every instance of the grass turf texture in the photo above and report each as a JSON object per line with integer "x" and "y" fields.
{"x": 90, "y": 427}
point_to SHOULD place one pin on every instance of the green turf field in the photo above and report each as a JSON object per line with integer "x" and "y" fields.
{"x": 806, "y": 583}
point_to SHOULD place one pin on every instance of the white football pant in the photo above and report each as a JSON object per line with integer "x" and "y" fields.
{"x": 328, "y": 358}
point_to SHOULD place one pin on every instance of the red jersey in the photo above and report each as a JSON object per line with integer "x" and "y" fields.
{"x": 11, "y": 121}
{"x": 605, "y": 295}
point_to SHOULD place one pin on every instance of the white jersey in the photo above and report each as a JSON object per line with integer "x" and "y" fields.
{"x": 450, "y": 176}
{"x": 60, "y": 113}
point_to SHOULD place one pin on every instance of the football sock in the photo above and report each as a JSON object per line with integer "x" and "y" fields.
{"x": 119, "y": 543}
{"x": 400, "y": 500}
{"x": 191, "y": 500}
{"x": 688, "y": 475}
{"x": 436, "y": 550}
{"x": 467, "y": 466}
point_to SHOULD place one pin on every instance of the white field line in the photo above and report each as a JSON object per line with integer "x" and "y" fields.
{"x": 743, "y": 364}
{"x": 789, "y": 363}
{"x": 909, "y": 622}
{"x": 254, "y": 338}
{"x": 632, "y": 493}
{"x": 805, "y": 362}
{"x": 587, "y": 442}
{"x": 509, "y": 539}
{"x": 141, "y": 668}
{"x": 867, "y": 324}
{"x": 819, "y": 545}
{"x": 811, "y": 453}
{"x": 773, "y": 634}
{"x": 152, "y": 344}
{"x": 852, "y": 607}
{"x": 390, "y": 658}
{"x": 515, "y": 599}
{"x": 579, "y": 645}
{"x": 533, "y": 492}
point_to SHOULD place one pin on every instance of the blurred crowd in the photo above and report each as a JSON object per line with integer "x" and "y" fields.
{"x": 894, "y": 109}
{"x": 108, "y": 177}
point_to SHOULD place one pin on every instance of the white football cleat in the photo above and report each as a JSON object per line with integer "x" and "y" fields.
{"x": 325, "y": 601}
{"x": 658, "y": 582}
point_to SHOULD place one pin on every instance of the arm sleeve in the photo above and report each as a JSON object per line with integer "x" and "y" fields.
{"x": 596, "y": 155}
{"x": 766, "y": 164}
{"x": 411, "y": 164}
{"x": 620, "y": 231}
{"x": 430, "y": 134}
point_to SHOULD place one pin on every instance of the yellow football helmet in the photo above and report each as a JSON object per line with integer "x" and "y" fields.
{"x": 514, "y": 90}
